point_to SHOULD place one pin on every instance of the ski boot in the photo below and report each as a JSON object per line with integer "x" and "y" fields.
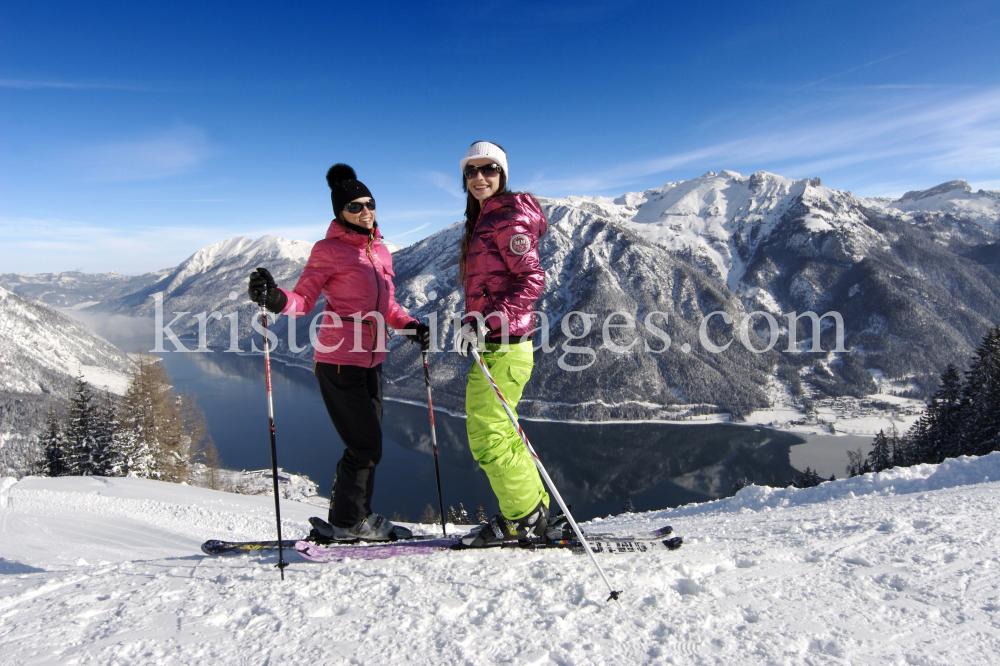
{"x": 559, "y": 529}
{"x": 372, "y": 528}
{"x": 500, "y": 530}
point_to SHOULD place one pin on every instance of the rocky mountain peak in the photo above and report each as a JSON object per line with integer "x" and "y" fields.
{"x": 943, "y": 188}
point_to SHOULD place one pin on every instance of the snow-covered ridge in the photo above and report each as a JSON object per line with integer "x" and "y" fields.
{"x": 954, "y": 472}
{"x": 954, "y": 197}
{"x": 242, "y": 252}
{"x": 724, "y": 216}
{"x": 42, "y": 351}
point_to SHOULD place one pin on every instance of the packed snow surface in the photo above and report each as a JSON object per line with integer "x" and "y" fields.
{"x": 901, "y": 567}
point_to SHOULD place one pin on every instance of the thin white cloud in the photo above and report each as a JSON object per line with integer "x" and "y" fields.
{"x": 938, "y": 131}
{"x": 169, "y": 153}
{"x": 411, "y": 231}
{"x": 854, "y": 69}
{"x": 45, "y": 245}
{"x": 24, "y": 84}
{"x": 445, "y": 182}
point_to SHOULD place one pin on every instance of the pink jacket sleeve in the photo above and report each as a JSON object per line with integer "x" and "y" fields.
{"x": 319, "y": 268}
{"x": 396, "y": 316}
{"x": 527, "y": 274}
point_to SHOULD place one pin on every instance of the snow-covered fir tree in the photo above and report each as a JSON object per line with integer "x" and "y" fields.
{"x": 108, "y": 436}
{"x": 981, "y": 393}
{"x": 55, "y": 447}
{"x": 81, "y": 431}
{"x": 880, "y": 457}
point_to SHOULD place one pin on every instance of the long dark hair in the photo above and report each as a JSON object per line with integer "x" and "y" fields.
{"x": 472, "y": 210}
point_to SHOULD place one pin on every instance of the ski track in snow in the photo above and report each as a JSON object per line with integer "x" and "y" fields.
{"x": 901, "y": 567}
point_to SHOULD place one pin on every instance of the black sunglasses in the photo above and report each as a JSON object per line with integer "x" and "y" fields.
{"x": 488, "y": 170}
{"x": 355, "y": 207}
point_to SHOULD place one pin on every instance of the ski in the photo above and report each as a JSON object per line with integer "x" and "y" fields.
{"x": 218, "y": 547}
{"x": 607, "y": 545}
{"x": 221, "y": 547}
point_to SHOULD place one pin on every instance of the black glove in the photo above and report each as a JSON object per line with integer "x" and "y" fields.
{"x": 263, "y": 290}
{"x": 418, "y": 333}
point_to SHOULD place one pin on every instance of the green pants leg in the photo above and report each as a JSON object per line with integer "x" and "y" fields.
{"x": 494, "y": 441}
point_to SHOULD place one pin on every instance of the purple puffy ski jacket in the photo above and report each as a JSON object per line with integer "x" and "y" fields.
{"x": 502, "y": 271}
{"x": 354, "y": 273}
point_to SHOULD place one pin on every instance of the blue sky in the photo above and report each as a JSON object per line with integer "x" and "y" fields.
{"x": 132, "y": 134}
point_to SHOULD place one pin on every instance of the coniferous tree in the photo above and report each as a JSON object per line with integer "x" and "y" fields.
{"x": 137, "y": 432}
{"x": 481, "y": 516}
{"x": 628, "y": 508}
{"x": 164, "y": 432}
{"x": 980, "y": 431}
{"x": 809, "y": 479}
{"x": 880, "y": 457}
{"x": 944, "y": 429}
{"x": 54, "y": 447}
{"x": 463, "y": 515}
{"x": 106, "y": 457}
{"x": 429, "y": 516}
{"x": 81, "y": 431}
{"x": 452, "y": 516}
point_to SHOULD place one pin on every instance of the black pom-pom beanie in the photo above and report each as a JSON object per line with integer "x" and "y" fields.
{"x": 344, "y": 186}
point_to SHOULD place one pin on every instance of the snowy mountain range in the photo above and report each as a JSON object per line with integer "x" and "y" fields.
{"x": 916, "y": 280}
{"x": 917, "y": 289}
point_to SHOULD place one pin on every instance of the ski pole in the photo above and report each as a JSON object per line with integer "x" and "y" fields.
{"x": 434, "y": 441}
{"x": 270, "y": 423}
{"x": 545, "y": 475}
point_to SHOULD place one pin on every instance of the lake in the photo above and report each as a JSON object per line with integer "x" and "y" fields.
{"x": 596, "y": 466}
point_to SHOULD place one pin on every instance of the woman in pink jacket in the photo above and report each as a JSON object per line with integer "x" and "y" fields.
{"x": 503, "y": 278}
{"x": 352, "y": 269}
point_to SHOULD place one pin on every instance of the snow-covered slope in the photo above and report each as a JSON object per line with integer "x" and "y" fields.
{"x": 43, "y": 351}
{"x": 895, "y": 568}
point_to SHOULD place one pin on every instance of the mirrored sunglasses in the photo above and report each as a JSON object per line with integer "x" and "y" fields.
{"x": 355, "y": 206}
{"x": 488, "y": 170}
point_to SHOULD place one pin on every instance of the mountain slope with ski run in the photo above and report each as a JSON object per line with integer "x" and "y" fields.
{"x": 890, "y": 568}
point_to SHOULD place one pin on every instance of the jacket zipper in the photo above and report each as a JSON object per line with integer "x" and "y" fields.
{"x": 378, "y": 293}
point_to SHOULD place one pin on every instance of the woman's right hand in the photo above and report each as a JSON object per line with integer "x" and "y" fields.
{"x": 263, "y": 290}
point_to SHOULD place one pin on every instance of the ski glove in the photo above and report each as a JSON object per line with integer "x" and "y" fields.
{"x": 263, "y": 290}
{"x": 418, "y": 333}
{"x": 469, "y": 337}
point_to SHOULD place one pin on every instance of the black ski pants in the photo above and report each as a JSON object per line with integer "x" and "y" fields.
{"x": 353, "y": 397}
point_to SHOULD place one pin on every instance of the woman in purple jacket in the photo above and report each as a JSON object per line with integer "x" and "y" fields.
{"x": 352, "y": 269}
{"x": 503, "y": 278}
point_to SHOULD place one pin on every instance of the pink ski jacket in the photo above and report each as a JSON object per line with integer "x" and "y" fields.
{"x": 502, "y": 272}
{"x": 354, "y": 273}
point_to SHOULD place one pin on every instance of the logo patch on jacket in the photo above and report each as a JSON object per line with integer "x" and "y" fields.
{"x": 519, "y": 244}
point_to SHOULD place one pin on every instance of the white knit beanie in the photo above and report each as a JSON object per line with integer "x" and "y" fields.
{"x": 486, "y": 149}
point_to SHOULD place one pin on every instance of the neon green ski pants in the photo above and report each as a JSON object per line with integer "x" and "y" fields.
{"x": 494, "y": 441}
